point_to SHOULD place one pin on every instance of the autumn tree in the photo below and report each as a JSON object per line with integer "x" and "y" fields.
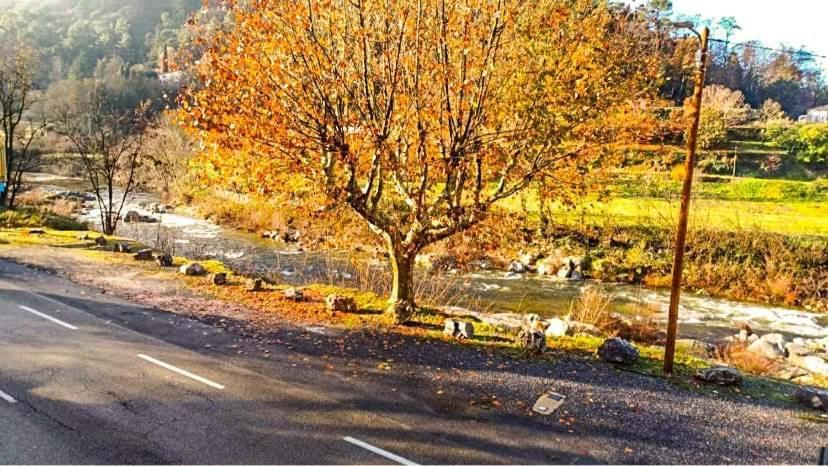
{"x": 419, "y": 115}
{"x": 722, "y": 108}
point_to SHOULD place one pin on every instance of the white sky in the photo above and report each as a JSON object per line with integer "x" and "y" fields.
{"x": 773, "y": 22}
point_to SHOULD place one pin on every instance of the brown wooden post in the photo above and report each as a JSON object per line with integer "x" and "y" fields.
{"x": 684, "y": 211}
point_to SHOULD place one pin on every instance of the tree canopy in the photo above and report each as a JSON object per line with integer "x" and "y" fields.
{"x": 419, "y": 115}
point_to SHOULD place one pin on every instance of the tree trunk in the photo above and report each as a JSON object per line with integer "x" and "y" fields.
{"x": 401, "y": 302}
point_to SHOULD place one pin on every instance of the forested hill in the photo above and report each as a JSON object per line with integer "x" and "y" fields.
{"x": 76, "y": 37}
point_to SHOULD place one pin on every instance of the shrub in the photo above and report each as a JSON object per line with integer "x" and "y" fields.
{"x": 808, "y": 142}
{"x": 593, "y": 307}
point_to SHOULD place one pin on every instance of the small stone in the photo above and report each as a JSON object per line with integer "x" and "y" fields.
{"x": 132, "y": 217}
{"x": 294, "y": 294}
{"x": 255, "y": 285}
{"x": 618, "y": 350}
{"x": 100, "y": 241}
{"x": 458, "y": 329}
{"x": 517, "y": 267}
{"x": 143, "y": 255}
{"x": 812, "y": 397}
{"x": 218, "y": 278}
{"x": 84, "y": 237}
{"x": 531, "y": 340}
{"x": 720, "y": 375}
{"x": 37, "y": 231}
{"x": 582, "y": 328}
{"x": 556, "y": 328}
{"x": 338, "y": 303}
{"x": 192, "y": 269}
{"x": 164, "y": 260}
{"x": 121, "y": 248}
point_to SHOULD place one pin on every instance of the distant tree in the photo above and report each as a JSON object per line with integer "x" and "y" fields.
{"x": 722, "y": 108}
{"x": 17, "y": 95}
{"x": 419, "y": 115}
{"x": 771, "y": 111}
{"x": 108, "y": 138}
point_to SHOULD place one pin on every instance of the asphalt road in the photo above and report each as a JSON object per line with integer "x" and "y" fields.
{"x": 88, "y": 378}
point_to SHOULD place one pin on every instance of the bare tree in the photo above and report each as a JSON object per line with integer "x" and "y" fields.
{"x": 17, "y": 95}
{"x": 109, "y": 140}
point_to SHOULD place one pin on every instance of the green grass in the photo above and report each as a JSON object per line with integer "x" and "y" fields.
{"x": 32, "y": 218}
{"x": 786, "y": 207}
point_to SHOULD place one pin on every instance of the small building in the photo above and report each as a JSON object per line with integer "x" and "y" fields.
{"x": 816, "y": 115}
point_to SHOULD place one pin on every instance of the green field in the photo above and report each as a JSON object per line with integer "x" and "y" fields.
{"x": 787, "y": 207}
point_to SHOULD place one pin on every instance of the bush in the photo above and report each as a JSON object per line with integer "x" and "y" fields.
{"x": 808, "y": 142}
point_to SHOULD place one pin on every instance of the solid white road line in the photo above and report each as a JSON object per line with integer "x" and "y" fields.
{"x": 380, "y": 451}
{"x": 48, "y": 317}
{"x": 181, "y": 371}
{"x": 6, "y": 397}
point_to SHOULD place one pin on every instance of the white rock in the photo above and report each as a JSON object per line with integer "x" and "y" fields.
{"x": 556, "y": 328}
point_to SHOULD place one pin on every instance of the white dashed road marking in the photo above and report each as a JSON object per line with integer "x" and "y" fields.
{"x": 48, "y": 317}
{"x": 181, "y": 371}
{"x": 380, "y": 451}
{"x": 6, "y": 397}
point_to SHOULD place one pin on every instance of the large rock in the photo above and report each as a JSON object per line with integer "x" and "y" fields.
{"x": 192, "y": 269}
{"x": 143, "y": 255}
{"x": 720, "y": 375}
{"x": 294, "y": 294}
{"x": 619, "y": 351}
{"x": 813, "y": 363}
{"x": 132, "y": 217}
{"x": 812, "y": 397}
{"x": 766, "y": 349}
{"x": 120, "y": 248}
{"x": 100, "y": 241}
{"x": 338, "y": 303}
{"x": 164, "y": 260}
{"x": 556, "y": 328}
{"x": 458, "y": 329}
{"x": 218, "y": 278}
{"x": 531, "y": 340}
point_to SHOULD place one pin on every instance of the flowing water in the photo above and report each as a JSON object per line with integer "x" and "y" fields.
{"x": 700, "y": 316}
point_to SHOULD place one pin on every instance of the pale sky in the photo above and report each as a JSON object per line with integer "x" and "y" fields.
{"x": 773, "y": 22}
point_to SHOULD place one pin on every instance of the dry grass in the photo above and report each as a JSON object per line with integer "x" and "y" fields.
{"x": 737, "y": 355}
{"x": 593, "y": 307}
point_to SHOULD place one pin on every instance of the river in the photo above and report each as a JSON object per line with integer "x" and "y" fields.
{"x": 493, "y": 291}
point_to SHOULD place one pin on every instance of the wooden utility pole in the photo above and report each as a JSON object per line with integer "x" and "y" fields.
{"x": 684, "y": 211}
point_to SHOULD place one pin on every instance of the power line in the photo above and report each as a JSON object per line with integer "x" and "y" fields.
{"x": 769, "y": 49}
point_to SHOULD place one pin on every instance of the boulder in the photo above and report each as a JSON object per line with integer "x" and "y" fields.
{"x": 164, "y": 260}
{"x": 517, "y": 267}
{"x": 291, "y": 236}
{"x": 294, "y": 294}
{"x": 546, "y": 267}
{"x": 458, "y": 329}
{"x": 121, "y": 248}
{"x": 192, "y": 269}
{"x": 812, "y": 397}
{"x": 100, "y": 241}
{"x": 766, "y": 349}
{"x": 218, "y": 278}
{"x": 813, "y": 363}
{"x": 255, "y": 284}
{"x": 338, "y": 303}
{"x": 143, "y": 255}
{"x": 720, "y": 375}
{"x": 619, "y": 351}
{"x": 556, "y": 328}
{"x": 132, "y": 217}
{"x": 531, "y": 340}
{"x": 529, "y": 258}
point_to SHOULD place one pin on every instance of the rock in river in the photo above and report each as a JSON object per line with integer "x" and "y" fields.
{"x": 812, "y": 397}
{"x": 192, "y": 269}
